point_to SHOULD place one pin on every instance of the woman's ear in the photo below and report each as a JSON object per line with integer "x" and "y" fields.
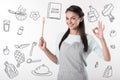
{"x": 81, "y": 19}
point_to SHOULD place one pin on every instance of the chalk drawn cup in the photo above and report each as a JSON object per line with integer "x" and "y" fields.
{"x": 6, "y": 25}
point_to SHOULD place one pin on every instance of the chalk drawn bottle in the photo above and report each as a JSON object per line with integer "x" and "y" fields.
{"x": 10, "y": 70}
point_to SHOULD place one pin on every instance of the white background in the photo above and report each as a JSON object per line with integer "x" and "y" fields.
{"x": 33, "y": 30}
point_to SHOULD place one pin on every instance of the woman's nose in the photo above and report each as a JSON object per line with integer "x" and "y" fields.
{"x": 69, "y": 21}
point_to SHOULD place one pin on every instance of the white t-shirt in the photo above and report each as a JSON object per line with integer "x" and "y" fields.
{"x": 92, "y": 44}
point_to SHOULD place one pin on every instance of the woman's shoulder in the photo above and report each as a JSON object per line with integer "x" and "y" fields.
{"x": 90, "y": 38}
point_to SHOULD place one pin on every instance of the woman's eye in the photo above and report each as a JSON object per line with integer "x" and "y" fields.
{"x": 73, "y": 18}
{"x": 66, "y": 18}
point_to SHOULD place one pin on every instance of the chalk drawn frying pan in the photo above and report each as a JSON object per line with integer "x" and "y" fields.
{"x": 19, "y": 15}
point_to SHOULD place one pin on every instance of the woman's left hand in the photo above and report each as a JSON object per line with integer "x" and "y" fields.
{"x": 98, "y": 31}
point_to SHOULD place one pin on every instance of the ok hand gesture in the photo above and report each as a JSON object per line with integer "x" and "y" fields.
{"x": 98, "y": 31}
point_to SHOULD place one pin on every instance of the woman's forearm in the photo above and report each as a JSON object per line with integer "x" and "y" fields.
{"x": 51, "y": 56}
{"x": 106, "y": 52}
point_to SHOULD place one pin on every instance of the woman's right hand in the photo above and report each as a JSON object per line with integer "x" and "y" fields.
{"x": 51, "y": 56}
{"x": 42, "y": 44}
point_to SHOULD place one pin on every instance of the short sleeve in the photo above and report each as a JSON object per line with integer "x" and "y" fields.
{"x": 94, "y": 46}
{"x": 58, "y": 39}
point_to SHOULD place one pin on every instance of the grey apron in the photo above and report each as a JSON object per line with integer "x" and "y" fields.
{"x": 72, "y": 66}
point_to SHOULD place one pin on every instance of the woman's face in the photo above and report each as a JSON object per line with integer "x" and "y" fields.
{"x": 72, "y": 20}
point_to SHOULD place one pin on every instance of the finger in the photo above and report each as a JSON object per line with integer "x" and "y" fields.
{"x": 100, "y": 24}
{"x": 95, "y": 30}
{"x": 41, "y": 38}
{"x": 94, "y": 33}
{"x": 41, "y": 41}
{"x": 103, "y": 27}
{"x": 44, "y": 44}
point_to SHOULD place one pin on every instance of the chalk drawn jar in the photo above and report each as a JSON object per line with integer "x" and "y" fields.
{"x": 6, "y": 25}
{"x": 20, "y": 30}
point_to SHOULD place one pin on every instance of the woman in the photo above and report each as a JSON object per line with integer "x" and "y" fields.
{"x": 75, "y": 45}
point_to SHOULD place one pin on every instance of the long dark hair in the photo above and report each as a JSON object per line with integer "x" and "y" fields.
{"x": 81, "y": 25}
